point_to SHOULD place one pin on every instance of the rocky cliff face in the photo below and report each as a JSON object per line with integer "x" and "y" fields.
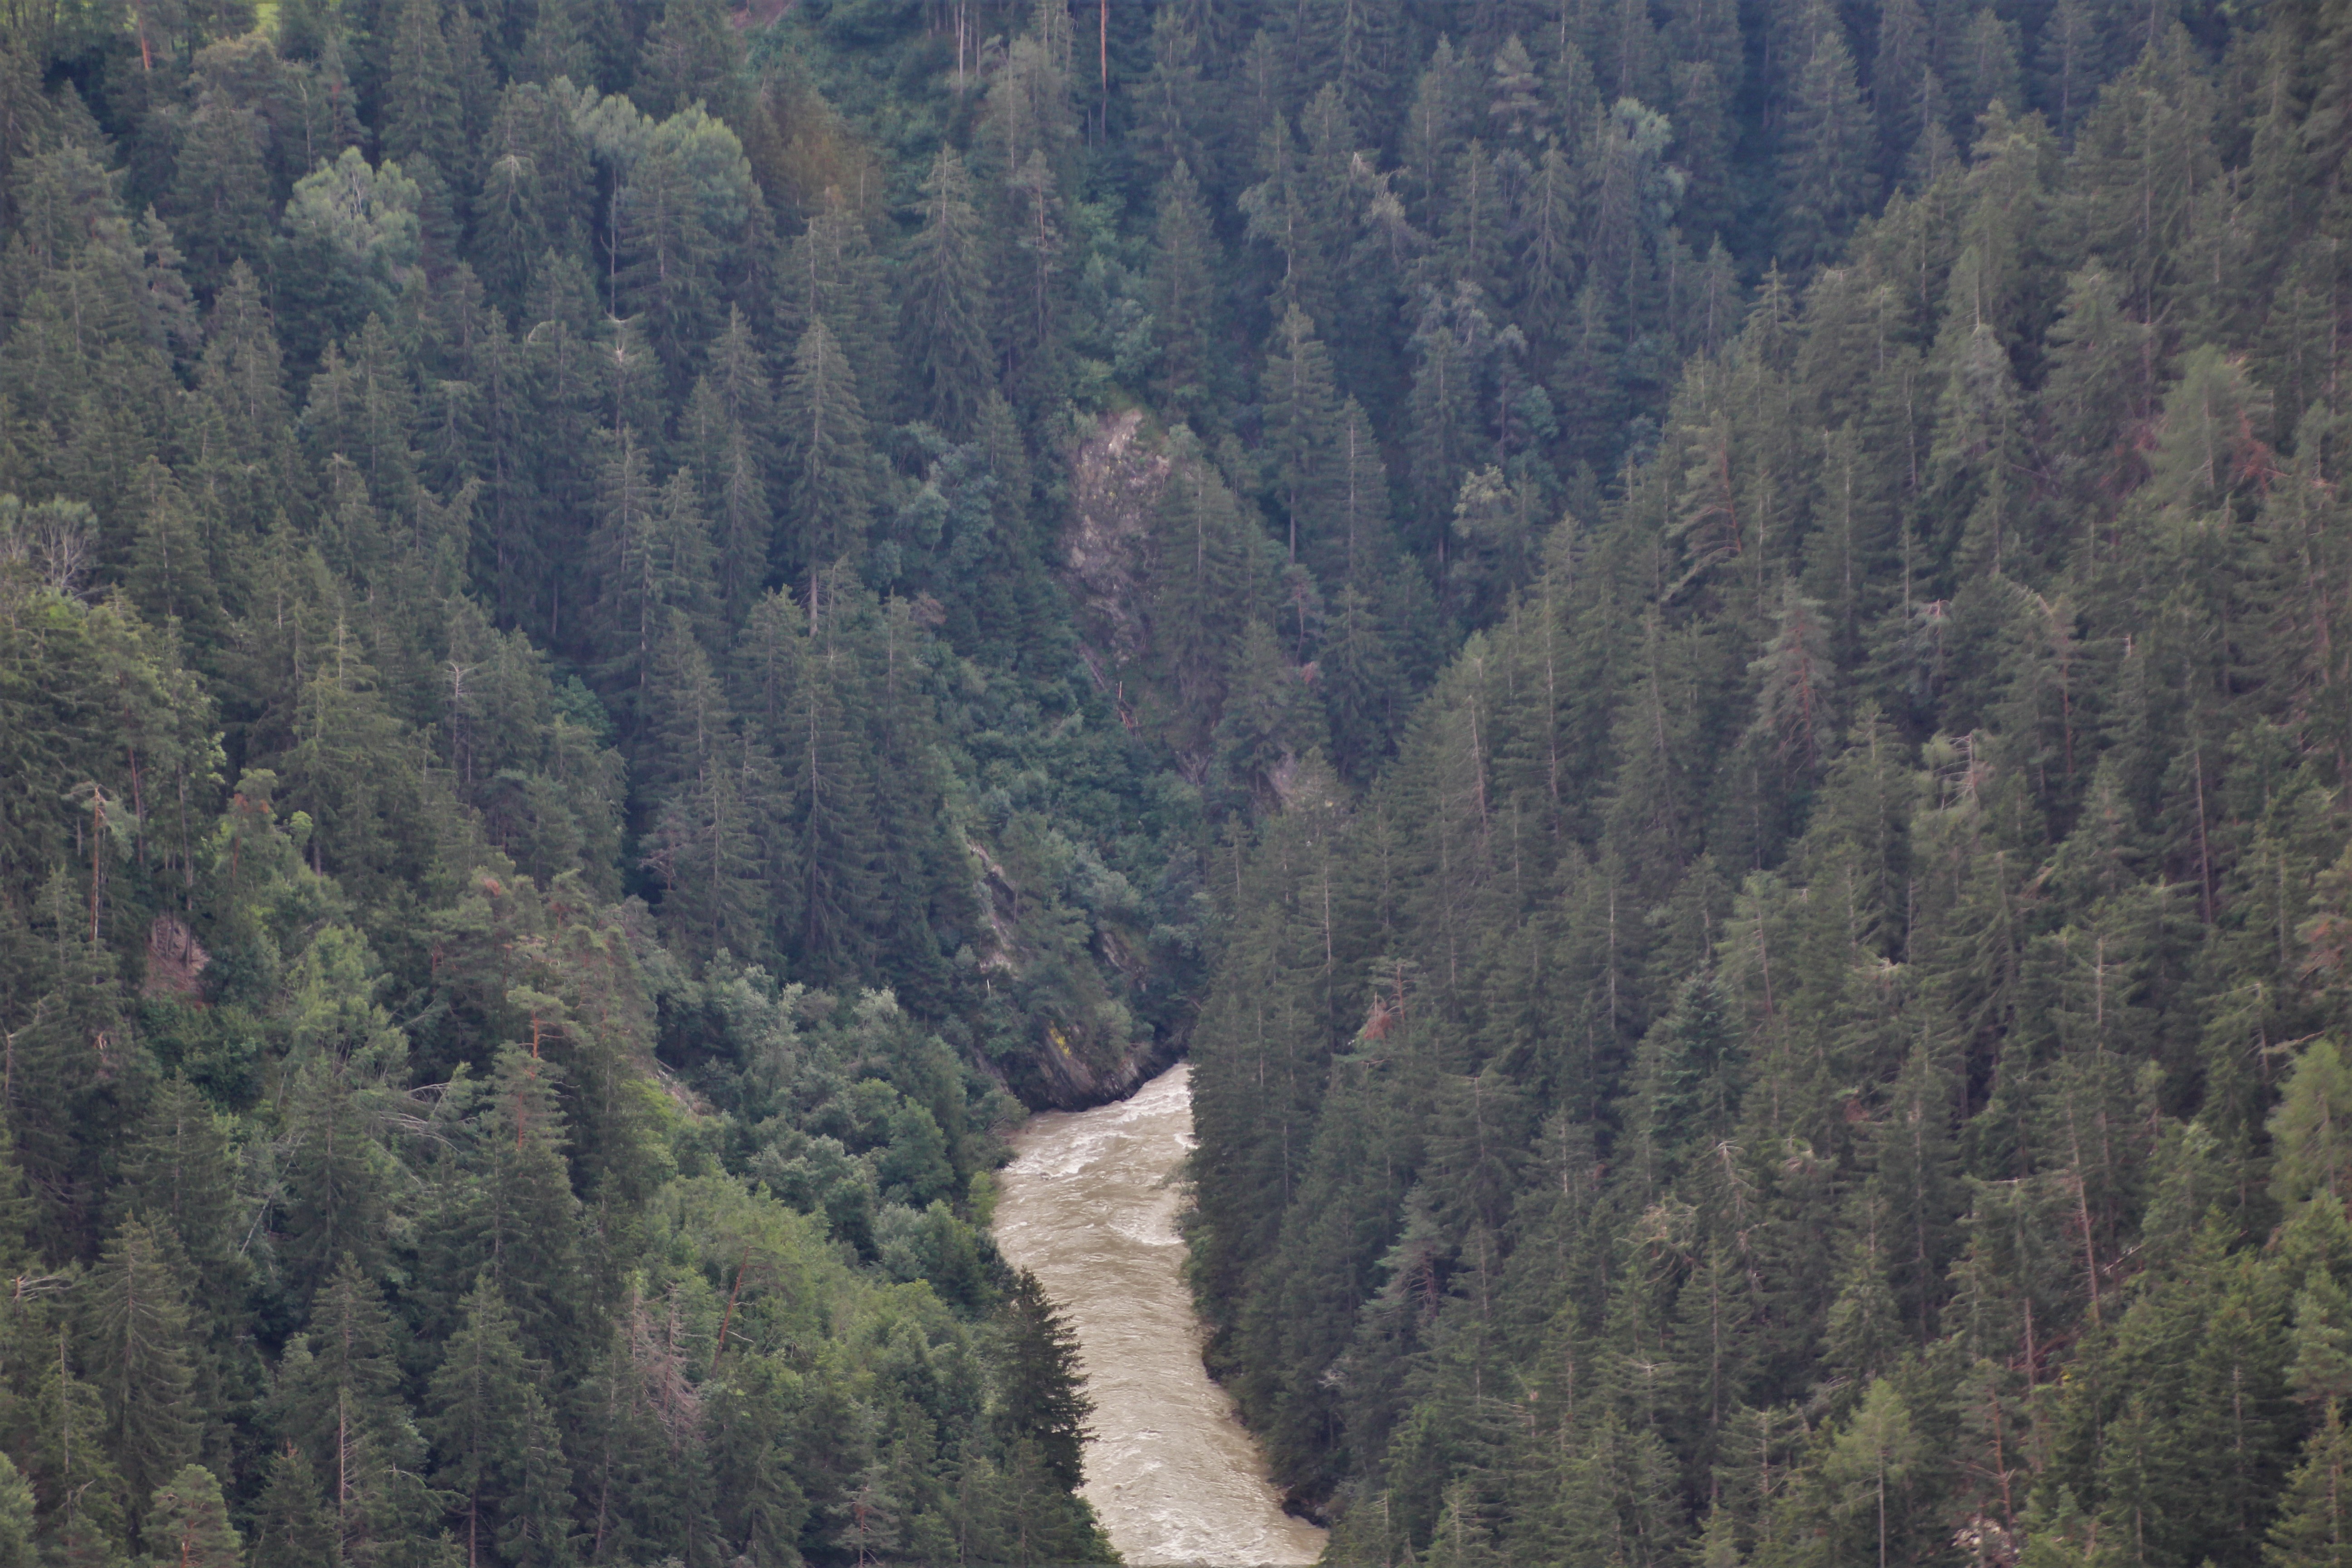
{"x": 1064, "y": 1082}
{"x": 1085, "y": 947}
{"x": 1115, "y": 477}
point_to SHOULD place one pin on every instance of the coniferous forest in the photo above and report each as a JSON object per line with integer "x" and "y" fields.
{"x": 1699, "y": 650}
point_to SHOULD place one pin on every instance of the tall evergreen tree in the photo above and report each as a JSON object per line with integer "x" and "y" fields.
{"x": 1828, "y": 164}
{"x": 139, "y": 1349}
{"x": 1302, "y": 438}
{"x": 1042, "y": 1403}
{"x": 499, "y": 1452}
{"x": 1185, "y": 264}
{"x": 944, "y": 310}
{"x": 829, "y": 469}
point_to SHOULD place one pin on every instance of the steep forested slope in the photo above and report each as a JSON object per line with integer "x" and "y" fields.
{"x": 516, "y": 924}
{"x": 1826, "y": 1043}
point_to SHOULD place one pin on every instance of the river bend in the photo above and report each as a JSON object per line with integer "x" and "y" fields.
{"x": 1089, "y": 1205}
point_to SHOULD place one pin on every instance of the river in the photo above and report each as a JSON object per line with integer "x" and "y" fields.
{"x": 1089, "y": 1205}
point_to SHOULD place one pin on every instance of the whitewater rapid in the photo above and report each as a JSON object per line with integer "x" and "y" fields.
{"x": 1089, "y": 1205}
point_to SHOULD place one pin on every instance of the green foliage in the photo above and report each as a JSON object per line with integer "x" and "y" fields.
{"x": 1042, "y": 1406}
{"x": 828, "y": 464}
{"x": 17, "y": 1518}
{"x": 1698, "y": 653}
{"x": 350, "y": 237}
{"x": 188, "y": 1522}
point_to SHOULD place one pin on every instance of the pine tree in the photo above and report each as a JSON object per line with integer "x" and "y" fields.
{"x": 188, "y": 1522}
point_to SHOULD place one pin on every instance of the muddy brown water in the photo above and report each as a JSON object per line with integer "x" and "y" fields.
{"x": 1089, "y": 1205}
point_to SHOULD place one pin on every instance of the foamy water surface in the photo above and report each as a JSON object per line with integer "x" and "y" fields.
{"x": 1089, "y": 1205}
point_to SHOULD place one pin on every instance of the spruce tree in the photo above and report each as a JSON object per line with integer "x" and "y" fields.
{"x": 1454, "y": 340}
{"x": 219, "y": 197}
{"x": 1301, "y": 437}
{"x": 1175, "y": 100}
{"x": 1201, "y": 590}
{"x": 1041, "y": 1402}
{"x": 1185, "y": 264}
{"x": 652, "y": 552}
{"x": 138, "y": 1347}
{"x": 943, "y": 311}
{"x": 340, "y": 1412}
{"x": 17, "y": 1549}
{"x": 291, "y": 1527}
{"x": 534, "y": 196}
{"x": 1828, "y": 162}
{"x": 693, "y": 56}
{"x": 729, "y": 454}
{"x": 336, "y": 1190}
{"x": 717, "y": 797}
{"x": 421, "y": 113}
{"x": 828, "y": 765}
{"x": 1030, "y": 273}
{"x": 2311, "y": 1128}
{"x": 2313, "y": 1528}
{"x": 829, "y": 471}
{"x": 832, "y": 273}
{"x": 497, "y": 1450}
